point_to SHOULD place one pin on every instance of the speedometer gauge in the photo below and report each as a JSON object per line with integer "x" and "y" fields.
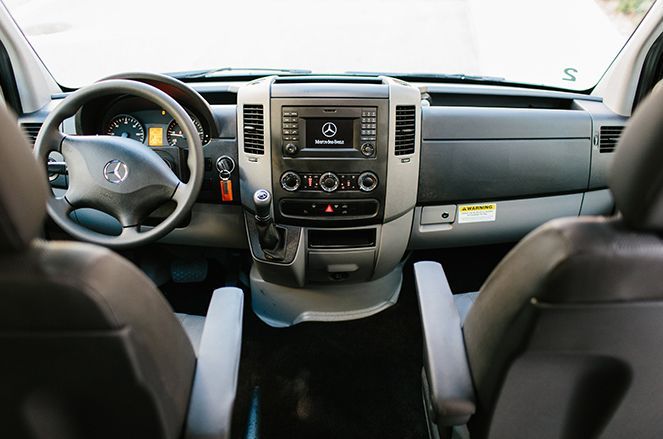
{"x": 176, "y": 137}
{"x": 124, "y": 125}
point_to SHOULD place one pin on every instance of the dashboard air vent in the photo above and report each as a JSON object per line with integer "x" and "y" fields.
{"x": 609, "y": 137}
{"x": 254, "y": 129}
{"x": 405, "y": 129}
{"x": 31, "y": 129}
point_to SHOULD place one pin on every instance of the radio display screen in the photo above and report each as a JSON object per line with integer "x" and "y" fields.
{"x": 329, "y": 133}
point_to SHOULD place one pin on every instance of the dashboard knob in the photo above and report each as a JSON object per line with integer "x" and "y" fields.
{"x": 290, "y": 181}
{"x": 367, "y": 149}
{"x": 329, "y": 182}
{"x": 291, "y": 149}
{"x": 368, "y": 181}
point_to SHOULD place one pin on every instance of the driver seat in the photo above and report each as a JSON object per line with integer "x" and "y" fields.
{"x": 90, "y": 347}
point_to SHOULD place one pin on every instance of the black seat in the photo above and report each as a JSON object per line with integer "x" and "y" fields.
{"x": 564, "y": 339}
{"x": 89, "y": 346}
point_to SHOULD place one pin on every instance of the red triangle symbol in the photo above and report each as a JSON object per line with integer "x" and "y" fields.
{"x": 329, "y": 209}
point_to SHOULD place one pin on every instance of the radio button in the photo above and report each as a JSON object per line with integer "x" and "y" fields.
{"x": 291, "y": 149}
{"x": 367, "y": 149}
{"x": 329, "y": 182}
{"x": 368, "y": 181}
{"x": 290, "y": 181}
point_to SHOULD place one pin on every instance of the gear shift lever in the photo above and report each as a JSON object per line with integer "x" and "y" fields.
{"x": 262, "y": 200}
{"x": 271, "y": 240}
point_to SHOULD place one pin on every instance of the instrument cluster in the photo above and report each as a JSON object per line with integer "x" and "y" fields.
{"x": 153, "y": 127}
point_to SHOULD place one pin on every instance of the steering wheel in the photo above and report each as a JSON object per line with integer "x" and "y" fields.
{"x": 119, "y": 176}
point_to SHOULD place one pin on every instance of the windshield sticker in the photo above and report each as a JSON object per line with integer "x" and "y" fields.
{"x": 477, "y": 213}
{"x": 570, "y": 73}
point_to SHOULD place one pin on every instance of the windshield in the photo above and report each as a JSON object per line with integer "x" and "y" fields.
{"x": 557, "y": 43}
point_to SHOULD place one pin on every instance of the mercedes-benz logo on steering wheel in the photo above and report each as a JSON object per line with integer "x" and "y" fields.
{"x": 116, "y": 171}
{"x": 329, "y": 129}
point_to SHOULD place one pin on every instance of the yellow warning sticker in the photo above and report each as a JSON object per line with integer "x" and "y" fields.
{"x": 477, "y": 213}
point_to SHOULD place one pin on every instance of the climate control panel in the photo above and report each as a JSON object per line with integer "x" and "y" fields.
{"x": 329, "y": 182}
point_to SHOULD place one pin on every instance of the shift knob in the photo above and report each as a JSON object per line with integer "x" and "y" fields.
{"x": 271, "y": 240}
{"x": 262, "y": 200}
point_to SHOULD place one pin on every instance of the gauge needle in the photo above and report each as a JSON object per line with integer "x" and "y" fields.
{"x": 176, "y": 135}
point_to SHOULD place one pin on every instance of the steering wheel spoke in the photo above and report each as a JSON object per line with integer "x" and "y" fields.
{"x": 130, "y": 232}
{"x": 60, "y": 206}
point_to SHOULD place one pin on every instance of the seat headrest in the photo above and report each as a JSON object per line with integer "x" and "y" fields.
{"x": 636, "y": 177}
{"x": 22, "y": 188}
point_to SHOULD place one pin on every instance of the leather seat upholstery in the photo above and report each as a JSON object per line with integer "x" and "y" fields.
{"x": 564, "y": 338}
{"x": 90, "y": 347}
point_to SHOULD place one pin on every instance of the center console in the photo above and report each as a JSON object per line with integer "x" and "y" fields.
{"x": 337, "y": 158}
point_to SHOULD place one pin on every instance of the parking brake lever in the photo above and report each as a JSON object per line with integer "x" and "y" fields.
{"x": 271, "y": 237}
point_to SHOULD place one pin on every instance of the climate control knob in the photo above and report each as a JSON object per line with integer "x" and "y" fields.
{"x": 367, "y": 181}
{"x": 290, "y": 181}
{"x": 329, "y": 182}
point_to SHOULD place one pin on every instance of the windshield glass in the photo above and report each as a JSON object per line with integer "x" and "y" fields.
{"x": 558, "y": 43}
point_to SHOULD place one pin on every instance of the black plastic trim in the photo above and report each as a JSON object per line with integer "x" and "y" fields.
{"x": 652, "y": 71}
{"x": 8, "y": 81}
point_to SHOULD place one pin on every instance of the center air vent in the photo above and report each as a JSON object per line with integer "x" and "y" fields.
{"x": 31, "y": 130}
{"x": 609, "y": 137}
{"x": 254, "y": 129}
{"x": 405, "y": 129}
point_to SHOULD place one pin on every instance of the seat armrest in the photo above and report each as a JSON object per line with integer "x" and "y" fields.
{"x": 215, "y": 380}
{"x": 445, "y": 360}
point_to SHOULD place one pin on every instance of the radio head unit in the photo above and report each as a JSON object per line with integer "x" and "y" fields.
{"x": 329, "y": 131}
{"x": 329, "y": 161}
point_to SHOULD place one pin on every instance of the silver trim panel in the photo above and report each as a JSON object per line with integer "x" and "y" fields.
{"x": 402, "y": 170}
{"x": 255, "y": 170}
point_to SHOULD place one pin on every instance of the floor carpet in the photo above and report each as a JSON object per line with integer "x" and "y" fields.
{"x": 337, "y": 380}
